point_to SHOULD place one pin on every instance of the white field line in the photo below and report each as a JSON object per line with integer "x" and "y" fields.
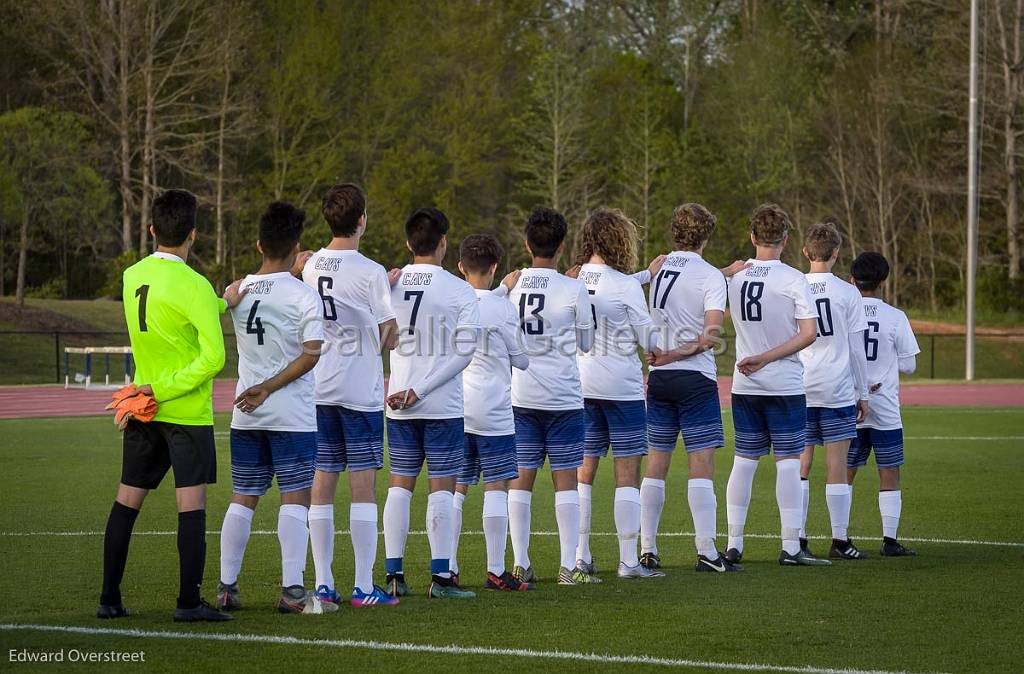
{"x": 452, "y": 649}
{"x": 666, "y": 534}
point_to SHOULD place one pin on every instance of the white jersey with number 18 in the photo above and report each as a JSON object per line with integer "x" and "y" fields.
{"x": 828, "y": 375}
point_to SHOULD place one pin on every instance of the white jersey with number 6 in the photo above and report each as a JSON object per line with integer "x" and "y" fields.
{"x": 487, "y": 382}
{"x": 273, "y": 320}
{"x": 438, "y": 317}
{"x": 889, "y": 337}
{"x": 685, "y": 288}
{"x": 766, "y": 301}
{"x": 828, "y": 375}
{"x": 551, "y": 308}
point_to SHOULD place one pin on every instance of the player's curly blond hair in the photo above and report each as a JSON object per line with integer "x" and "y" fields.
{"x": 770, "y": 224}
{"x": 692, "y": 225}
{"x": 610, "y": 234}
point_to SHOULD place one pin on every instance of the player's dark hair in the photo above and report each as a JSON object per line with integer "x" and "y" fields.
{"x": 343, "y": 205}
{"x": 869, "y": 271}
{"x": 479, "y": 252}
{"x": 424, "y": 230}
{"x": 280, "y": 229}
{"x": 174, "y": 216}
{"x": 545, "y": 231}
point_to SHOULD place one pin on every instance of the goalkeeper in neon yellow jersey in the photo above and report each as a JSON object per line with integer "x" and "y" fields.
{"x": 173, "y": 318}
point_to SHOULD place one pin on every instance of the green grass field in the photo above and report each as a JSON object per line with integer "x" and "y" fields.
{"x": 955, "y": 608}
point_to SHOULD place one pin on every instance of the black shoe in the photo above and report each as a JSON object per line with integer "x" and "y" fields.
{"x": 650, "y": 560}
{"x": 800, "y": 559}
{"x": 845, "y": 550}
{"x": 108, "y": 611}
{"x": 805, "y": 548}
{"x": 733, "y": 556}
{"x": 720, "y": 565}
{"x": 891, "y": 548}
{"x": 202, "y": 613}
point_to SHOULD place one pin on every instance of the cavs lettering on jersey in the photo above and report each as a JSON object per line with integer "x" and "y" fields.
{"x": 766, "y": 301}
{"x": 888, "y": 338}
{"x": 828, "y": 376}
{"x": 275, "y": 317}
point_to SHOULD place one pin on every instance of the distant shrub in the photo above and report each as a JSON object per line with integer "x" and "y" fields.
{"x": 113, "y": 286}
{"x": 51, "y": 290}
{"x": 997, "y": 293}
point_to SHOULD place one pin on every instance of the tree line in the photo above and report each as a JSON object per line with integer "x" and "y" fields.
{"x": 852, "y": 111}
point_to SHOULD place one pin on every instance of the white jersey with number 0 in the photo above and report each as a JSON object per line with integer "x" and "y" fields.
{"x": 272, "y": 321}
{"x": 551, "y": 307}
{"x": 765, "y": 302}
{"x": 611, "y": 370}
{"x": 889, "y": 337}
{"x": 487, "y": 382}
{"x": 828, "y": 375}
{"x": 438, "y": 316}
{"x": 356, "y": 299}
{"x": 685, "y": 288}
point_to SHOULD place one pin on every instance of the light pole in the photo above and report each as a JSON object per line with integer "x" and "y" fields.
{"x": 972, "y": 194}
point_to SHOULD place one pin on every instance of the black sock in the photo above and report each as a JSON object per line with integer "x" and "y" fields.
{"x": 115, "y": 551}
{"x": 191, "y": 556}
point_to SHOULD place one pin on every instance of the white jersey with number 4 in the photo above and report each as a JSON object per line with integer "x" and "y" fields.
{"x": 356, "y": 299}
{"x": 487, "y": 382}
{"x": 438, "y": 316}
{"x": 828, "y": 375}
{"x": 551, "y": 307}
{"x": 685, "y": 288}
{"x": 611, "y": 370}
{"x": 765, "y": 302}
{"x": 889, "y": 337}
{"x": 273, "y": 320}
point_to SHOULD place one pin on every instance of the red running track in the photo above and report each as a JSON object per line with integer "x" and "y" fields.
{"x": 20, "y": 402}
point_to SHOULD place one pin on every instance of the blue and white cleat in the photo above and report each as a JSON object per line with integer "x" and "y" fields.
{"x": 379, "y": 597}
{"x": 327, "y": 595}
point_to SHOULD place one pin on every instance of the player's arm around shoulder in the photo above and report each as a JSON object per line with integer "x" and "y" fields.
{"x": 379, "y": 300}
{"x": 585, "y": 327}
{"x": 512, "y": 336}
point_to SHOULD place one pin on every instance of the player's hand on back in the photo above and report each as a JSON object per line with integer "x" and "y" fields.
{"x": 655, "y": 266}
{"x": 862, "y": 410}
{"x": 573, "y": 271}
{"x": 402, "y": 399}
{"x": 300, "y": 262}
{"x": 511, "y": 279}
{"x": 252, "y": 397}
{"x": 393, "y": 276}
{"x": 735, "y": 268}
{"x": 234, "y": 293}
{"x": 875, "y": 387}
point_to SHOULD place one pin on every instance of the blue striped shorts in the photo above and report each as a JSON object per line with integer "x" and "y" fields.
{"x": 349, "y": 439}
{"x": 888, "y": 446}
{"x": 619, "y": 423}
{"x": 256, "y": 456}
{"x": 493, "y": 455}
{"x": 439, "y": 442}
{"x": 555, "y": 434}
{"x": 830, "y": 424}
{"x": 769, "y": 423}
{"x": 682, "y": 401}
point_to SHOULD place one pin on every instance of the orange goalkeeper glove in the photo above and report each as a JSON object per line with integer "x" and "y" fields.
{"x": 130, "y": 403}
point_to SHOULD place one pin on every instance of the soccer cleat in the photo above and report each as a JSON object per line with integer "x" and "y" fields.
{"x": 845, "y": 550}
{"x": 733, "y": 555}
{"x": 525, "y": 575}
{"x": 575, "y": 577}
{"x": 506, "y": 582}
{"x": 892, "y": 548}
{"x": 228, "y": 597}
{"x": 327, "y": 595}
{"x": 589, "y": 568}
{"x": 638, "y": 571}
{"x": 650, "y": 560}
{"x": 395, "y": 584}
{"x": 445, "y": 588}
{"x": 720, "y": 565}
{"x": 202, "y": 613}
{"x": 293, "y": 599}
{"x": 378, "y": 597}
{"x": 801, "y": 559}
{"x": 455, "y": 577}
{"x": 109, "y": 611}
{"x": 804, "y": 546}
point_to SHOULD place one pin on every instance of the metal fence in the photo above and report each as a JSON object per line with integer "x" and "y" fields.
{"x": 37, "y": 356}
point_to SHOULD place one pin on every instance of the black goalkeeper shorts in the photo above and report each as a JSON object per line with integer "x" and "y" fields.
{"x": 151, "y": 449}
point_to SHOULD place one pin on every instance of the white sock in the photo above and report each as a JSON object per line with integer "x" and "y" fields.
{"x": 652, "y": 501}
{"x": 439, "y": 532}
{"x": 293, "y": 535}
{"x": 890, "y": 504}
{"x": 234, "y": 536}
{"x": 700, "y": 492}
{"x": 519, "y": 525}
{"x": 805, "y": 487}
{"x": 737, "y": 498}
{"x": 362, "y": 523}
{"x": 567, "y": 515}
{"x": 457, "y": 501}
{"x": 495, "y": 529}
{"x": 396, "y": 523}
{"x": 837, "y": 496}
{"x": 583, "y": 545}
{"x": 321, "y": 540}
{"x": 627, "y": 523}
{"x": 787, "y": 494}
